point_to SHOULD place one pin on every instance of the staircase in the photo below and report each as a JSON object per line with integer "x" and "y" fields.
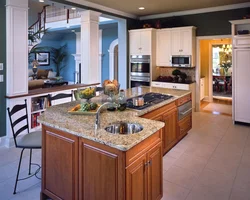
{"x": 37, "y": 30}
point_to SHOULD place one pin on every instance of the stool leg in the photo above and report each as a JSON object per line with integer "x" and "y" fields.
{"x": 18, "y": 170}
{"x": 30, "y": 161}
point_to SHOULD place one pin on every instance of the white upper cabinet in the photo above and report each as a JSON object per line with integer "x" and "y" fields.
{"x": 140, "y": 41}
{"x": 182, "y": 41}
{"x": 163, "y": 48}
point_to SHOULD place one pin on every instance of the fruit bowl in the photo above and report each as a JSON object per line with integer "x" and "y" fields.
{"x": 86, "y": 93}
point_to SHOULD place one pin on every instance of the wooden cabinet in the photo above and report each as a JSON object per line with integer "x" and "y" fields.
{"x": 170, "y": 129}
{"x": 168, "y": 115}
{"x": 144, "y": 176}
{"x": 88, "y": 170}
{"x": 184, "y": 125}
{"x": 182, "y": 41}
{"x": 163, "y": 47}
{"x": 140, "y": 41}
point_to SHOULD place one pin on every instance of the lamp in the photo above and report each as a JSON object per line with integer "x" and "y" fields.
{"x": 35, "y": 64}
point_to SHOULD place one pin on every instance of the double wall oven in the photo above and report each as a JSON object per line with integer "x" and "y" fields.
{"x": 140, "y": 70}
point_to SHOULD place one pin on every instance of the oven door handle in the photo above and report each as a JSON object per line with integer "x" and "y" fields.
{"x": 140, "y": 80}
{"x": 186, "y": 112}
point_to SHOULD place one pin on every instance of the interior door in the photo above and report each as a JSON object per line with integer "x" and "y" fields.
{"x": 241, "y": 84}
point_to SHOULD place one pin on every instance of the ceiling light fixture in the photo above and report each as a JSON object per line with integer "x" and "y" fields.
{"x": 42, "y": 1}
{"x": 73, "y": 8}
{"x": 141, "y": 8}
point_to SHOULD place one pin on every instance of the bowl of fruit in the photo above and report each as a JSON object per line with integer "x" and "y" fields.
{"x": 86, "y": 93}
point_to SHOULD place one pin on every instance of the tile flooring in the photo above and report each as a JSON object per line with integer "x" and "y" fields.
{"x": 211, "y": 163}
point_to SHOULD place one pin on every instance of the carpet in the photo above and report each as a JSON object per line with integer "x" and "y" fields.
{"x": 221, "y": 108}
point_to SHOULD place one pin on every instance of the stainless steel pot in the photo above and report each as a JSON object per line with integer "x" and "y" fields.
{"x": 138, "y": 101}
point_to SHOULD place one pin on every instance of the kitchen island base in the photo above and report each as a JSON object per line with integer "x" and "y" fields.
{"x": 77, "y": 168}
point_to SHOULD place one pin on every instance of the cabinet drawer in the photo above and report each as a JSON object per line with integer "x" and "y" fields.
{"x": 241, "y": 42}
{"x": 184, "y": 125}
{"x": 156, "y": 84}
{"x": 184, "y": 100}
{"x": 176, "y": 86}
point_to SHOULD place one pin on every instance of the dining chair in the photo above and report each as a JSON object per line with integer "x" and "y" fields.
{"x": 59, "y": 96}
{"x": 30, "y": 140}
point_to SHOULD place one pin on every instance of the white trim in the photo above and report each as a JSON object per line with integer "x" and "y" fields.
{"x": 197, "y": 11}
{"x": 100, "y": 55}
{"x": 112, "y": 58}
{"x": 198, "y": 67}
{"x": 102, "y": 8}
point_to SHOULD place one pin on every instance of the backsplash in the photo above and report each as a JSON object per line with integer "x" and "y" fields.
{"x": 167, "y": 71}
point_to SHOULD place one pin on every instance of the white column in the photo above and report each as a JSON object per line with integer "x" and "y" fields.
{"x": 17, "y": 47}
{"x": 90, "y": 47}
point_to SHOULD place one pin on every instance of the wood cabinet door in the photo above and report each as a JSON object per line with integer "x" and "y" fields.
{"x": 175, "y": 42}
{"x": 155, "y": 173}
{"x": 135, "y": 43}
{"x": 170, "y": 130}
{"x": 146, "y": 40}
{"x": 59, "y": 164}
{"x": 100, "y": 173}
{"x": 184, "y": 125}
{"x": 186, "y": 42}
{"x": 136, "y": 180}
{"x": 163, "y": 48}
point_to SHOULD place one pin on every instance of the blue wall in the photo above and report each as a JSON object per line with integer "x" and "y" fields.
{"x": 56, "y": 40}
{"x": 109, "y": 34}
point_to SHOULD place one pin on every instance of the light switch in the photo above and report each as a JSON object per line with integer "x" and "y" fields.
{"x": 1, "y": 66}
{"x": 1, "y": 78}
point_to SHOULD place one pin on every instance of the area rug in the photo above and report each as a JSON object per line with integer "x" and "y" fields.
{"x": 220, "y": 108}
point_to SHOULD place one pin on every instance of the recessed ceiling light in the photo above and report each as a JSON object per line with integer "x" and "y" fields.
{"x": 73, "y": 8}
{"x": 141, "y": 8}
{"x": 41, "y": 1}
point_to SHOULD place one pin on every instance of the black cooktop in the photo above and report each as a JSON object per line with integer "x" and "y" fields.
{"x": 150, "y": 99}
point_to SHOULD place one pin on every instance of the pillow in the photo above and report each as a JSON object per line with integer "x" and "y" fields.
{"x": 43, "y": 73}
{"x": 30, "y": 72}
{"x": 51, "y": 74}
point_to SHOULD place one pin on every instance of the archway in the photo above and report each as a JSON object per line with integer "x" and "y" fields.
{"x": 113, "y": 60}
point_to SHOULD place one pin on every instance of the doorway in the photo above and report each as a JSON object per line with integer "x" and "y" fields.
{"x": 214, "y": 71}
{"x": 113, "y": 61}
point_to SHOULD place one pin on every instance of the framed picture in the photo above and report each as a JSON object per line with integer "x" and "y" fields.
{"x": 43, "y": 58}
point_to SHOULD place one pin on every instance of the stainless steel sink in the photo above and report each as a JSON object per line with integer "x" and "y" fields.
{"x": 124, "y": 128}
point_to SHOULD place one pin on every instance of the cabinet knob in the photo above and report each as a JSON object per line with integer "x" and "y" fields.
{"x": 150, "y": 163}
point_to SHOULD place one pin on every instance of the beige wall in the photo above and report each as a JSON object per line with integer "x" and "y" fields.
{"x": 206, "y": 57}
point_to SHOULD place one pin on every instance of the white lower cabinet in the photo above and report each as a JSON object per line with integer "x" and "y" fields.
{"x": 177, "y": 86}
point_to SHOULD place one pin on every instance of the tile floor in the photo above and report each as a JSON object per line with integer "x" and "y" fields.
{"x": 211, "y": 163}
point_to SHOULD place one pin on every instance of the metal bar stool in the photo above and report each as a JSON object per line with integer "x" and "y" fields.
{"x": 29, "y": 141}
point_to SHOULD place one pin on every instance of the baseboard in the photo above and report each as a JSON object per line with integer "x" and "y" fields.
{"x": 206, "y": 98}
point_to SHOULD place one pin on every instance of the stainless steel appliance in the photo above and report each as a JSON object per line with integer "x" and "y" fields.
{"x": 136, "y": 81}
{"x": 140, "y": 71}
{"x": 181, "y": 61}
{"x": 184, "y": 110}
{"x": 140, "y": 66}
{"x": 150, "y": 99}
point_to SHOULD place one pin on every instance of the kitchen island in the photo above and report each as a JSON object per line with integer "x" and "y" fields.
{"x": 80, "y": 162}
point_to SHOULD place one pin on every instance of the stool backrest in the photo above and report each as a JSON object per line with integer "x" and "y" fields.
{"x": 16, "y": 122}
{"x": 59, "y": 96}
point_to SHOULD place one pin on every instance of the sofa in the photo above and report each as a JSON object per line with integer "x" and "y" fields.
{"x": 41, "y": 76}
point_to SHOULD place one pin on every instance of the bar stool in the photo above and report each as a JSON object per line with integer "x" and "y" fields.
{"x": 31, "y": 140}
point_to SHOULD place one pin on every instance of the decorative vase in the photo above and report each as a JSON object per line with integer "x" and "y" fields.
{"x": 225, "y": 71}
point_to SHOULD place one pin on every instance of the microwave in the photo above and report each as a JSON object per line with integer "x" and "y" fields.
{"x": 181, "y": 61}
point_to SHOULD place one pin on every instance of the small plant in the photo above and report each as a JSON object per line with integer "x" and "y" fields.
{"x": 176, "y": 73}
{"x": 183, "y": 77}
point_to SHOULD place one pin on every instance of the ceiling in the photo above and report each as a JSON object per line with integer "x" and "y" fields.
{"x": 162, "y": 6}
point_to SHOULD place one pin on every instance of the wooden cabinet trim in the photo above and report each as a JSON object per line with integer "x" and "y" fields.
{"x": 184, "y": 125}
{"x": 133, "y": 154}
{"x": 183, "y": 100}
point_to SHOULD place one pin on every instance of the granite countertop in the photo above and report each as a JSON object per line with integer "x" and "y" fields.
{"x": 84, "y": 125}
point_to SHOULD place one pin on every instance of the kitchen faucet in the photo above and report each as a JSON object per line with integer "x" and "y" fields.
{"x": 97, "y": 120}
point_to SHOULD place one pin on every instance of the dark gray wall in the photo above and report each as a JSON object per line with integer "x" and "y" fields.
{"x": 213, "y": 23}
{"x": 3, "y": 60}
